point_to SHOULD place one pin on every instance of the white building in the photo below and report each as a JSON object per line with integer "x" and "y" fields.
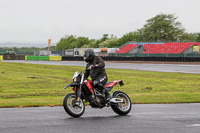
{"x": 43, "y": 53}
{"x": 97, "y": 51}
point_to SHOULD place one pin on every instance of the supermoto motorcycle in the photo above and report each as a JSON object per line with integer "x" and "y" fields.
{"x": 74, "y": 103}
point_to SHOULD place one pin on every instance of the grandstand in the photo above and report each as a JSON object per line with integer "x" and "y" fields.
{"x": 159, "y": 48}
{"x": 127, "y": 48}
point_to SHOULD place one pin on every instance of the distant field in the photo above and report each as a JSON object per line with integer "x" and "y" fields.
{"x": 27, "y": 85}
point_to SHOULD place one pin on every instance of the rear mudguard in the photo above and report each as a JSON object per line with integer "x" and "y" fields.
{"x": 111, "y": 84}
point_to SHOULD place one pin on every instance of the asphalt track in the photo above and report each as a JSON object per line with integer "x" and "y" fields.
{"x": 144, "y": 118}
{"x": 180, "y": 68}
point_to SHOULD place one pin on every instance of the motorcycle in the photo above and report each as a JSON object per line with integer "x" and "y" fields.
{"x": 74, "y": 103}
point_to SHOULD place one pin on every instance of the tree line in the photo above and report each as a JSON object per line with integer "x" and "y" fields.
{"x": 161, "y": 28}
{"x": 27, "y": 50}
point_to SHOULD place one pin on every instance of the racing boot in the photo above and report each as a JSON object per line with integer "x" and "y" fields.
{"x": 107, "y": 94}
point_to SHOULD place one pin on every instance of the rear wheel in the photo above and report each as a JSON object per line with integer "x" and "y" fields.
{"x": 72, "y": 107}
{"x": 121, "y": 108}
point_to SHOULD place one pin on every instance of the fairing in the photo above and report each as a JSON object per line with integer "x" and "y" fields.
{"x": 88, "y": 83}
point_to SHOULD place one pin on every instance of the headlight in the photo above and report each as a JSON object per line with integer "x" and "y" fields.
{"x": 74, "y": 79}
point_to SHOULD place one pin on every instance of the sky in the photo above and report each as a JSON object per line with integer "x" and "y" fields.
{"x": 40, "y": 20}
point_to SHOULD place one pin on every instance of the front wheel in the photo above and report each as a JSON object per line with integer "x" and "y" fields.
{"x": 121, "y": 108}
{"x": 72, "y": 107}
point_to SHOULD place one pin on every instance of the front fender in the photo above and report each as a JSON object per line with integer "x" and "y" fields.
{"x": 71, "y": 85}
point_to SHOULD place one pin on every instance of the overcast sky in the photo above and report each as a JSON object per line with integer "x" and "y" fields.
{"x": 39, "y": 20}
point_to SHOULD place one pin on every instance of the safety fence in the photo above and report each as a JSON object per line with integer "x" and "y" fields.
{"x": 106, "y": 58}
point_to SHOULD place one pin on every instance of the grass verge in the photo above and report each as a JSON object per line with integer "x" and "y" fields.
{"x": 30, "y": 85}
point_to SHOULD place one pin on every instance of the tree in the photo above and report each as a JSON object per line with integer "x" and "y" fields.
{"x": 70, "y": 42}
{"x": 197, "y": 37}
{"x": 132, "y": 36}
{"x": 97, "y": 42}
{"x": 65, "y": 42}
{"x": 80, "y": 41}
{"x": 189, "y": 37}
{"x": 162, "y": 27}
{"x": 106, "y": 42}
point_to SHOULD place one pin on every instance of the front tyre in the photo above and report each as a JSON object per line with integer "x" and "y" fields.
{"x": 71, "y": 106}
{"x": 121, "y": 108}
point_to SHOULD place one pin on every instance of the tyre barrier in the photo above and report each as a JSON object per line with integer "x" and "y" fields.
{"x": 1, "y": 57}
{"x": 72, "y": 58}
{"x": 37, "y": 58}
{"x": 44, "y": 58}
{"x": 169, "y": 59}
{"x": 106, "y": 58}
{"x": 13, "y": 57}
{"x": 117, "y": 58}
{"x": 55, "y": 58}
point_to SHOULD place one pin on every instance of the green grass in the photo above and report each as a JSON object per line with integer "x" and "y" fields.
{"x": 25, "y": 85}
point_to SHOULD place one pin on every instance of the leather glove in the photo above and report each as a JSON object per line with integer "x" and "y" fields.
{"x": 93, "y": 67}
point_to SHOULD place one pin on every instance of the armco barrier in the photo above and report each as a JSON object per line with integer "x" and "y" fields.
{"x": 55, "y": 58}
{"x": 44, "y": 58}
{"x": 1, "y": 57}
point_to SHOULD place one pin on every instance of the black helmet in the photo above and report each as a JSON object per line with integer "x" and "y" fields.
{"x": 89, "y": 55}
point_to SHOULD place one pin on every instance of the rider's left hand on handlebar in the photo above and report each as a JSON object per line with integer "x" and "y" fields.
{"x": 92, "y": 67}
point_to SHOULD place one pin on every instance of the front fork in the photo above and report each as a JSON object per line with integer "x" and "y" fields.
{"x": 80, "y": 90}
{"x": 78, "y": 93}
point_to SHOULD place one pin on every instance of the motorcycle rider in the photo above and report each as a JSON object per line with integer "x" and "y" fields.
{"x": 97, "y": 72}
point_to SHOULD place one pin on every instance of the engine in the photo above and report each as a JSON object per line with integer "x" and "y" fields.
{"x": 97, "y": 100}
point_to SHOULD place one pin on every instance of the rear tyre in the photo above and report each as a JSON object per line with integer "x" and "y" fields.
{"x": 121, "y": 108}
{"x": 71, "y": 107}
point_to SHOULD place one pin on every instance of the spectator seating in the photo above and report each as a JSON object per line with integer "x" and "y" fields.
{"x": 171, "y": 48}
{"x": 127, "y": 48}
{"x": 160, "y": 48}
